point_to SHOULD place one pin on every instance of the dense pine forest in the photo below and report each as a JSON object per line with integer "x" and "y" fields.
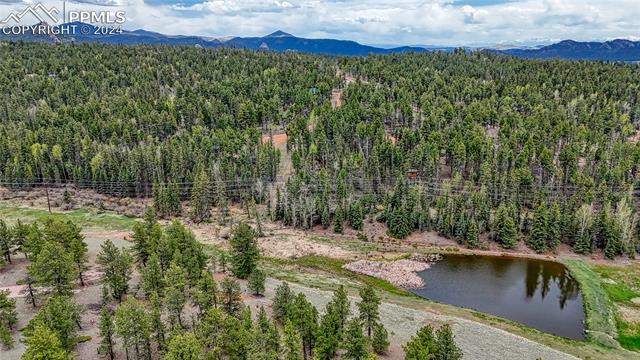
{"x": 472, "y": 145}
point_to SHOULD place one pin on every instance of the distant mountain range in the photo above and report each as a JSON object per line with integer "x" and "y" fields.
{"x": 615, "y": 50}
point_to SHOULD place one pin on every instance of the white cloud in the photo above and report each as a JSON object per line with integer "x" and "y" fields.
{"x": 441, "y": 22}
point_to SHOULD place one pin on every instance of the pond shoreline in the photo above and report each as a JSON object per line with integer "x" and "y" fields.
{"x": 401, "y": 273}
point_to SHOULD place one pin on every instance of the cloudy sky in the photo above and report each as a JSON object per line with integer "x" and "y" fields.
{"x": 380, "y": 22}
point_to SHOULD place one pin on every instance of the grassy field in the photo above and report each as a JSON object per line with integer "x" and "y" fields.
{"x": 622, "y": 285}
{"x": 87, "y": 219}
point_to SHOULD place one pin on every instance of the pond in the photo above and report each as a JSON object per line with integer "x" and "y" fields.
{"x": 537, "y": 293}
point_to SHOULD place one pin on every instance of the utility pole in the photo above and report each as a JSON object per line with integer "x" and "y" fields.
{"x": 46, "y": 188}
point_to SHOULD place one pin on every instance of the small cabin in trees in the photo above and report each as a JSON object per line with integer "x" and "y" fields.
{"x": 412, "y": 173}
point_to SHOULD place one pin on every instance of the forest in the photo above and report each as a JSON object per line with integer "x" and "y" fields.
{"x": 175, "y": 309}
{"x": 475, "y": 146}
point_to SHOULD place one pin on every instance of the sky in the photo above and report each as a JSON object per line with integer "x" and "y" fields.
{"x": 378, "y": 22}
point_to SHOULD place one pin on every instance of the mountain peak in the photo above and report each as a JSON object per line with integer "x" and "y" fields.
{"x": 279, "y": 33}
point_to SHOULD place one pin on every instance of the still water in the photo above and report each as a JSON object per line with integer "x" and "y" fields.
{"x": 537, "y": 293}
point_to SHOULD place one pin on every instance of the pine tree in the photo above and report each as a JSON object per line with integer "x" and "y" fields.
{"x": 184, "y": 347}
{"x": 368, "y": 308}
{"x": 422, "y": 345}
{"x": 338, "y": 221}
{"x": 43, "y": 344}
{"x": 8, "y": 318}
{"x": 151, "y": 279}
{"x": 356, "y": 343}
{"x": 380, "y": 339}
{"x": 174, "y": 206}
{"x": 244, "y": 251}
{"x": 62, "y": 316}
{"x": 356, "y": 216}
{"x": 539, "y": 230}
{"x": 107, "y": 333}
{"x": 132, "y": 326}
{"x": 291, "y": 343}
{"x": 156, "y": 324}
{"x": 472, "y": 236}
{"x": 340, "y": 307}
{"x": 328, "y": 338}
{"x": 67, "y": 234}
{"x": 555, "y": 227}
{"x": 256, "y": 282}
{"x": 205, "y": 294}
{"x": 399, "y": 225}
{"x": 116, "y": 265}
{"x": 6, "y": 242}
{"x": 201, "y": 198}
{"x": 230, "y": 296}
{"x": 505, "y": 228}
{"x": 304, "y": 317}
{"x": 54, "y": 268}
{"x": 282, "y": 302}
{"x": 175, "y": 296}
{"x": 447, "y": 347}
{"x": 146, "y": 236}
{"x": 612, "y": 237}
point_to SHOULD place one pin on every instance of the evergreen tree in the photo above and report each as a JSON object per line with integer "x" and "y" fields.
{"x": 230, "y": 296}
{"x": 6, "y": 242}
{"x": 107, "y": 333}
{"x": 67, "y": 234}
{"x": 43, "y": 344}
{"x": 54, "y": 268}
{"x": 399, "y": 227}
{"x": 175, "y": 296}
{"x": 304, "y": 317}
{"x": 146, "y": 236}
{"x": 291, "y": 343}
{"x": 116, "y": 265}
{"x": 505, "y": 228}
{"x": 338, "y": 220}
{"x": 20, "y": 235}
{"x": 205, "y": 294}
{"x": 184, "y": 347}
{"x": 422, "y": 346}
{"x": 447, "y": 347}
{"x": 8, "y": 318}
{"x": 380, "y": 339}
{"x": 472, "y": 236}
{"x": 328, "y": 338}
{"x": 282, "y": 302}
{"x": 151, "y": 279}
{"x": 368, "y": 308}
{"x": 540, "y": 229}
{"x": 555, "y": 227}
{"x": 156, "y": 324}
{"x": 132, "y": 326}
{"x": 62, "y": 316}
{"x": 340, "y": 307}
{"x": 356, "y": 216}
{"x": 201, "y": 197}
{"x": 244, "y": 251}
{"x": 356, "y": 343}
{"x": 256, "y": 282}
{"x": 612, "y": 237}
